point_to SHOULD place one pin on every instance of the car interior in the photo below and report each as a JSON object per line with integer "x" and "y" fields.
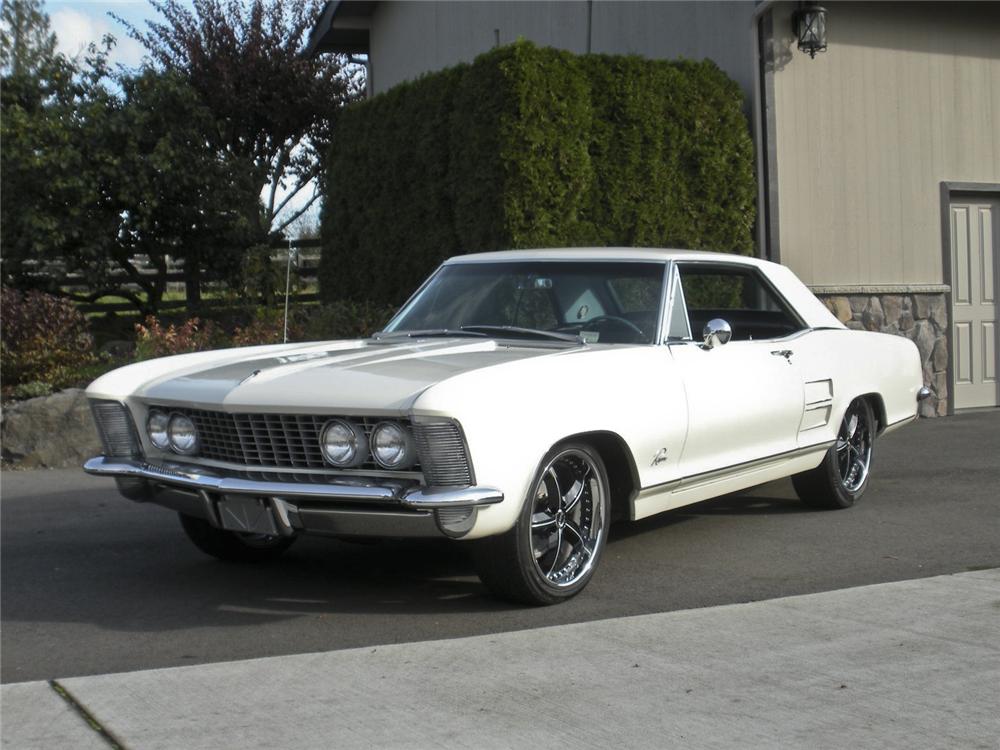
{"x": 738, "y": 295}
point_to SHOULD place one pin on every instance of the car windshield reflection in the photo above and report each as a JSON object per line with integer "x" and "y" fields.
{"x": 596, "y": 302}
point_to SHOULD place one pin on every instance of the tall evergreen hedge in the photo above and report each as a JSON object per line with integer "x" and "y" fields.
{"x": 534, "y": 147}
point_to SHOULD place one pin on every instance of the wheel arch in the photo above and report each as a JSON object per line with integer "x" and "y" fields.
{"x": 623, "y": 477}
{"x": 877, "y": 404}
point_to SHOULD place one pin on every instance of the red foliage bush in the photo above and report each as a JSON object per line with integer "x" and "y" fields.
{"x": 44, "y": 339}
{"x": 153, "y": 340}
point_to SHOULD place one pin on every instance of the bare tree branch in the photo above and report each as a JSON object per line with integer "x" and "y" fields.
{"x": 298, "y": 213}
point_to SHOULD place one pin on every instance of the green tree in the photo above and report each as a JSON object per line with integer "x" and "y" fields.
{"x": 111, "y": 182}
{"x": 172, "y": 193}
{"x": 27, "y": 44}
{"x": 48, "y": 208}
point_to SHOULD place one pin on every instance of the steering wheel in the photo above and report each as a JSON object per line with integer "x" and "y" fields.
{"x": 600, "y": 320}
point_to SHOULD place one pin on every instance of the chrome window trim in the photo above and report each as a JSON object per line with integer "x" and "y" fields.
{"x": 761, "y": 277}
{"x": 671, "y": 289}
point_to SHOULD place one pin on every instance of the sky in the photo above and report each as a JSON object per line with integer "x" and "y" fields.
{"x": 77, "y": 23}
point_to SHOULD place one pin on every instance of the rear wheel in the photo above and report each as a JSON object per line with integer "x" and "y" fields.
{"x": 233, "y": 546}
{"x": 842, "y": 478}
{"x": 552, "y": 552}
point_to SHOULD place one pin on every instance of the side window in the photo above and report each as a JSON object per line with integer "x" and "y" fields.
{"x": 738, "y": 295}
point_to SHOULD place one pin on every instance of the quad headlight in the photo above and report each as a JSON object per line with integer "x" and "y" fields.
{"x": 182, "y": 434}
{"x": 392, "y": 446}
{"x": 344, "y": 444}
{"x": 156, "y": 427}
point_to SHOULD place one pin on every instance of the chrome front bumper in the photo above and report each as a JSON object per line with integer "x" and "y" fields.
{"x": 341, "y": 507}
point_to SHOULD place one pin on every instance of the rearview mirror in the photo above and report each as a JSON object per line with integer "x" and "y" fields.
{"x": 716, "y": 333}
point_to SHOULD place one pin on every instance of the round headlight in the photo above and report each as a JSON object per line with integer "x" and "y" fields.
{"x": 182, "y": 434}
{"x": 344, "y": 444}
{"x": 392, "y": 446}
{"x": 156, "y": 428}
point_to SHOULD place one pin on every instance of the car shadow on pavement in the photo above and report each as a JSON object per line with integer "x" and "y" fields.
{"x": 767, "y": 499}
{"x": 143, "y": 575}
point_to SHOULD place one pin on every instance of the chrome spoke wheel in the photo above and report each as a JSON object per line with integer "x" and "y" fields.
{"x": 854, "y": 447}
{"x": 567, "y": 518}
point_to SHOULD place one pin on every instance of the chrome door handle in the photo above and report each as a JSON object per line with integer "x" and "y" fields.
{"x": 786, "y": 353}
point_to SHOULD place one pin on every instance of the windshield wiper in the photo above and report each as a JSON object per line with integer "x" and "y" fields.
{"x": 518, "y": 331}
{"x": 426, "y": 333}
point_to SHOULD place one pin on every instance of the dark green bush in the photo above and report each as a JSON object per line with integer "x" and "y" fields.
{"x": 346, "y": 320}
{"x": 533, "y": 147}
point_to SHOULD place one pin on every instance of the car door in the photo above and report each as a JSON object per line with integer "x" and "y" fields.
{"x": 745, "y": 397}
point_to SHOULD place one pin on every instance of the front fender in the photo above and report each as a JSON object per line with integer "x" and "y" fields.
{"x": 513, "y": 414}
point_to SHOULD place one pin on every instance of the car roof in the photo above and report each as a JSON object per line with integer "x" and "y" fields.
{"x": 650, "y": 254}
{"x": 810, "y": 309}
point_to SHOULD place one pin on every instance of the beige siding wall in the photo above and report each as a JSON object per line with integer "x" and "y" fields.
{"x": 411, "y": 38}
{"x": 907, "y": 96}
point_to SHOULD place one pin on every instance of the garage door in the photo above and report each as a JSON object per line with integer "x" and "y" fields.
{"x": 975, "y": 259}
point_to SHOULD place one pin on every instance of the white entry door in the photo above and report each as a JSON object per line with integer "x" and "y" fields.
{"x": 975, "y": 260}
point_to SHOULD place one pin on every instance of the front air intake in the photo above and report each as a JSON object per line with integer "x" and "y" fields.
{"x": 443, "y": 455}
{"x": 117, "y": 431}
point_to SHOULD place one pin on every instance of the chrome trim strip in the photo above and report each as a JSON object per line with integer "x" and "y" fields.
{"x": 327, "y": 470}
{"x": 187, "y": 477}
{"x": 736, "y": 469}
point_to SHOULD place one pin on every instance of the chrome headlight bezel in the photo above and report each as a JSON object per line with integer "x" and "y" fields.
{"x": 358, "y": 444}
{"x": 186, "y": 449}
{"x": 163, "y": 441}
{"x": 403, "y": 456}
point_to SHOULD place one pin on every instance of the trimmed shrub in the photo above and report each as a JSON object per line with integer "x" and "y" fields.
{"x": 45, "y": 341}
{"x": 534, "y": 147}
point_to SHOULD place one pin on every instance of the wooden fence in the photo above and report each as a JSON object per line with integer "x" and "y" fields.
{"x": 305, "y": 270}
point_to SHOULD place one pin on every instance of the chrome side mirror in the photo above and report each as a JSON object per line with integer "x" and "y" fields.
{"x": 716, "y": 333}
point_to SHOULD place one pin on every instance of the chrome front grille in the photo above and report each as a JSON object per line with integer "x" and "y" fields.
{"x": 443, "y": 454}
{"x": 293, "y": 441}
{"x": 278, "y": 440}
{"x": 115, "y": 428}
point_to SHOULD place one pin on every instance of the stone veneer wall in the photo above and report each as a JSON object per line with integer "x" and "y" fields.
{"x": 921, "y": 317}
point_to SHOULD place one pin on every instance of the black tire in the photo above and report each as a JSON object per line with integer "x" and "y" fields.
{"x": 842, "y": 478}
{"x": 231, "y": 545}
{"x": 511, "y": 564}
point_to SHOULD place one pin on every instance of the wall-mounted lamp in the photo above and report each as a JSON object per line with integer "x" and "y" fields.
{"x": 809, "y": 25}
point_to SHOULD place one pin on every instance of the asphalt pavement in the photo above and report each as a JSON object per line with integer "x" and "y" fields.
{"x": 94, "y": 584}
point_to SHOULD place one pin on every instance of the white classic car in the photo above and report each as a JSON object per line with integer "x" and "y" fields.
{"x": 519, "y": 401}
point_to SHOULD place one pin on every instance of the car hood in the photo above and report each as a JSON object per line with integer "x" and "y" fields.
{"x": 353, "y": 377}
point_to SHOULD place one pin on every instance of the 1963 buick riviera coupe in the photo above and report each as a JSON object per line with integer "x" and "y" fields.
{"x": 519, "y": 401}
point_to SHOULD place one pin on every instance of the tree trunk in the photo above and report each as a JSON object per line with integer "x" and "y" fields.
{"x": 192, "y": 286}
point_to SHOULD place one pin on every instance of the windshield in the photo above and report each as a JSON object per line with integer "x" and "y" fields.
{"x": 605, "y": 302}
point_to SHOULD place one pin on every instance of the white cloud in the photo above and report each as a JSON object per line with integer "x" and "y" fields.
{"x": 75, "y": 29}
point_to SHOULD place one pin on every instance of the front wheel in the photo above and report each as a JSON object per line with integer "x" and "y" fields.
{"x": 842, "y": 478}
{"x": 551, "y": 553}
{"x": 233, "y": 546}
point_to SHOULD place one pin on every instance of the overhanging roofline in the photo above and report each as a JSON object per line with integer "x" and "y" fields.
{"x": 342, "y": 27}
